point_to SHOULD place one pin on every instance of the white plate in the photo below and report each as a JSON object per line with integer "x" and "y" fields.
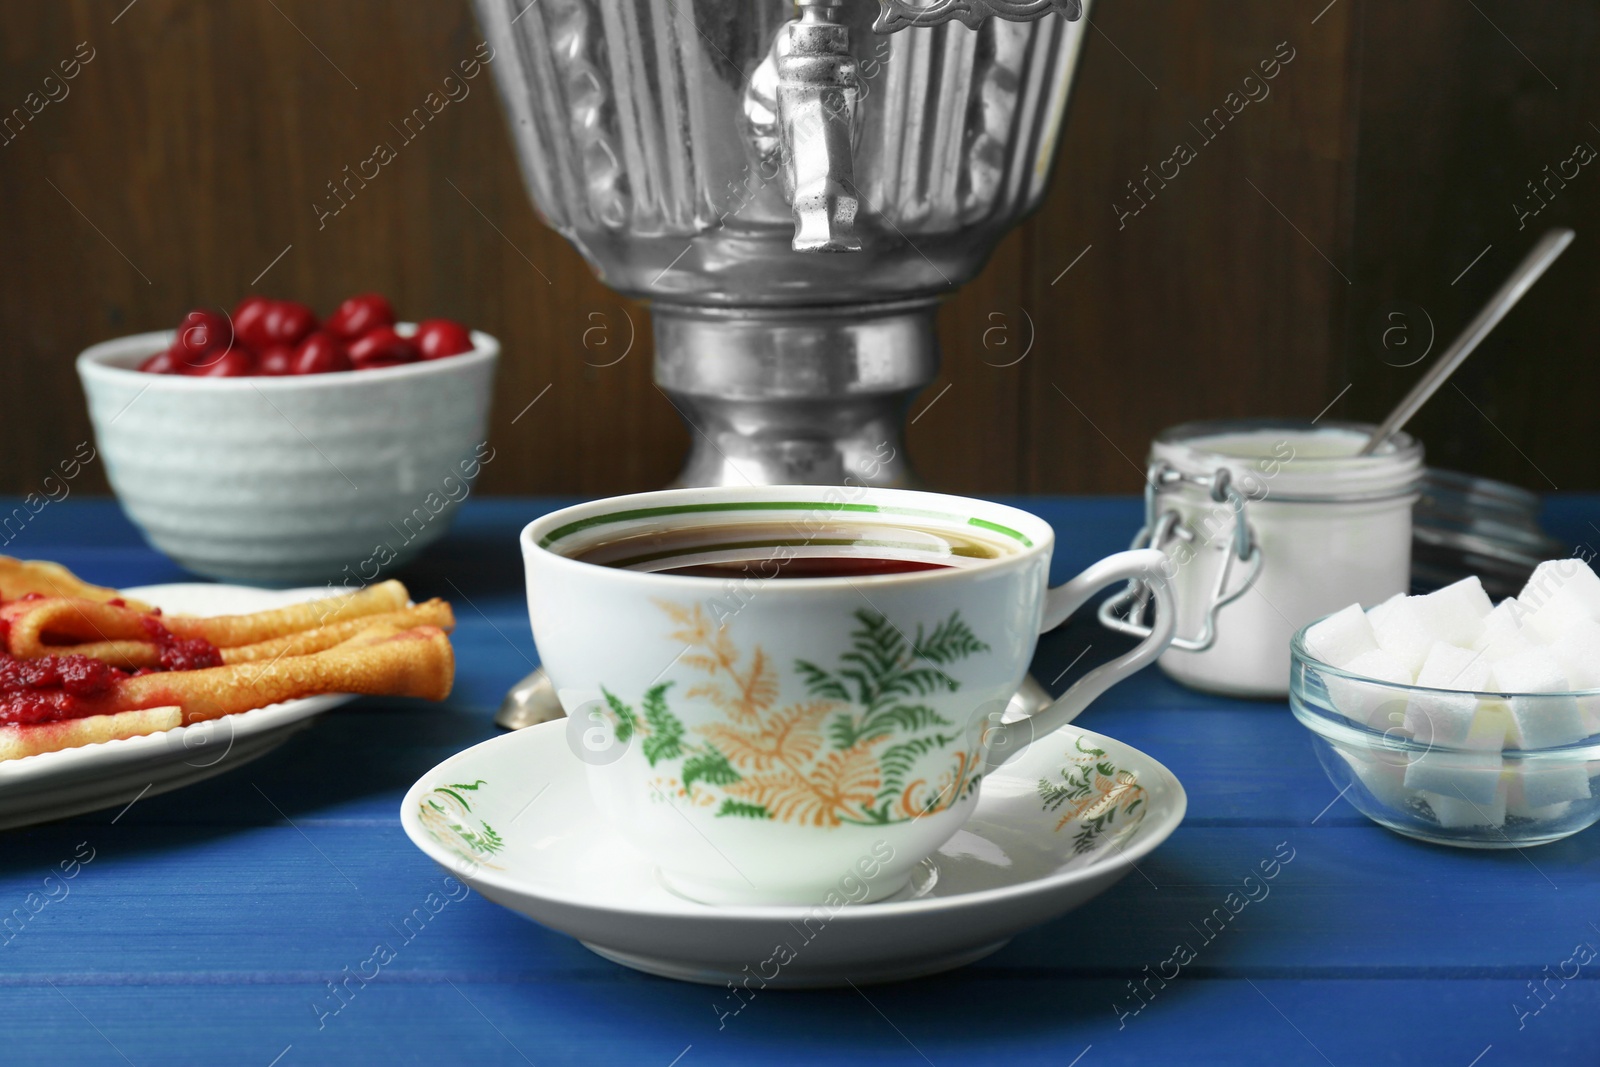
{"x": 56, "y": 785}
{"x": 514, "y": 819}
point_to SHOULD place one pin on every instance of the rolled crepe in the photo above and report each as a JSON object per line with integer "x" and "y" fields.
{"x": 231, "y": 631}
{"x": 19, "y": 577}
{"x": 133, "y": 639}
{"x": 19, "y": 741}
{"x": 429, "y": 613}
{"x": 121, "y": 636}
{"x": 380, "y": 661}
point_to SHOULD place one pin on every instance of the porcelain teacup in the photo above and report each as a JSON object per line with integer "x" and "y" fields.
{"x": 768, "y": 739}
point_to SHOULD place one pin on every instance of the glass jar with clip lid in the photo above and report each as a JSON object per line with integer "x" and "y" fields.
{"x": 1268, "y": 524}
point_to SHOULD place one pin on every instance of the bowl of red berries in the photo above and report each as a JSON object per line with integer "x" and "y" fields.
{"x": 267, "y": 445}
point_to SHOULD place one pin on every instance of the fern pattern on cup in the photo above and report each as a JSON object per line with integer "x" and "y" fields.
{"x": 847, "y": 754}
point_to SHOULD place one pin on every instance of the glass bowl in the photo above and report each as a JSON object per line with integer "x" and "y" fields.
{"x": 1443, "y": 766}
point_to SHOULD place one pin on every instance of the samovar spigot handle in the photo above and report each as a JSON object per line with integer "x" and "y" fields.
{"x": 818, "y": 91}
{"x": 898, "y": 14}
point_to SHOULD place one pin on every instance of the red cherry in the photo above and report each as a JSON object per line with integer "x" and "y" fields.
{"x": 383, "y": 348}
{"x": 320, "y": 354}
{"x": 438, "y": 338}
{"x": 360, "y": 315}
{"x": 276, "y": 361}
{"x": 165, "y": 362}
{"x": 189, "y": 363}
{"x": 249, "y": 318}
{"x": 235, "y": 363}
{"x": 199, "y": 365}
{"x": 287, "y": 323}
{"x": 203, "y": 332}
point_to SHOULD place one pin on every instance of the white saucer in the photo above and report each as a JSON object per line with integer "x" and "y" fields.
{"x": 57, "y": 785}
{"x": 513, "y": 818}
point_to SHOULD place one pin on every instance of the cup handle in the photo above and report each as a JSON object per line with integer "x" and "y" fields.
{"x": 1008, "y": 739}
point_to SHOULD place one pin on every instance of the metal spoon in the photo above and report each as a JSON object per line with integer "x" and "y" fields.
{"x": 529, "y": 703}
{"x": 1550, "y": 246}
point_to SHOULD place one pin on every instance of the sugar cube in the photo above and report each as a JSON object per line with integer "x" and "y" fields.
{"x": 1544, "y": 814}
{"x": 1532, "y": 786}
{"x": 1341, "y": 637}
{"x": 1377, "y": 613}
{"x": 1578, "y": 651}
{"x": 1459, "y": 721}
{"x": 1451, "y": 719}
{"x": 1589, "y": 709}
{"x": 1457, "y": 612}
{"x": 1471, "y": 776}
{"x": 1502, "y": 624}
{"x": 1565, "y": 579}
{"x": 1538, "y": 721}
{"x": 1441, "y": 719}
{"x": 1508, "y": 646}
{"x": 1450, "y": 667}
{"x": 1457, "y": 813}
{"x": 1407, "y": 633}
{"x": 1545, "y": 722}
{"x": 1382, "y": 666}
{"x": 1373, "y": 705}
{"x": 1382, "y": 774}
{"x": 1410, "y": 627}
{"x": 1534, "y": 671}
{"x": 1547, "y": 620}
{"x": 1491, "y": 726}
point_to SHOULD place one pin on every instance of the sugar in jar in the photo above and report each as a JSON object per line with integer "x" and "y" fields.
{"x": 1268, "y": 525}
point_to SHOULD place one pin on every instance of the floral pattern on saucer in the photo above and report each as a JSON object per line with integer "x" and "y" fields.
{"x": 446, "y": 813}
{"x": 1094, "y": 792}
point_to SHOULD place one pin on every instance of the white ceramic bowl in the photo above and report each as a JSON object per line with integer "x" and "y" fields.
{"x": 325, "y": 477}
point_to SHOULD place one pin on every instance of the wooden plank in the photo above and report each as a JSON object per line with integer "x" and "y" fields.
{"x": 965, "y": 429}
{"x": 1210, "y": 293}
{"x": 572, "y": 1018}
{"x": 1345, "y": 902}
{"x": 1456, "y": 121}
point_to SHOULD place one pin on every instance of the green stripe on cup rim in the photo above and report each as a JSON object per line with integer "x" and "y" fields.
{"x": 579, "y": 525}
{"x": 786, "y": 542}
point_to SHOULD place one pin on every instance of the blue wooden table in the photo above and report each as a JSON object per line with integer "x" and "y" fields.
{"x": 207, "y": 924}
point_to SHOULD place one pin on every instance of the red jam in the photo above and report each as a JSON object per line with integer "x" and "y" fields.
{"x": 53, "y": 688}
{"x": 189, "y": 654}
{"x": 182, "y": 653}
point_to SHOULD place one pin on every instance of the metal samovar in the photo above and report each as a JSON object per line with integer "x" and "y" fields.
{"x": 794, "y": 187}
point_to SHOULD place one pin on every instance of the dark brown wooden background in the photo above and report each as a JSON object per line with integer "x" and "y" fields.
{"x": 1387, "y": 160}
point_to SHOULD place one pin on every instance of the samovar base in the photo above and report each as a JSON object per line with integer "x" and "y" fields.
{"x": 805, "y": 395}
